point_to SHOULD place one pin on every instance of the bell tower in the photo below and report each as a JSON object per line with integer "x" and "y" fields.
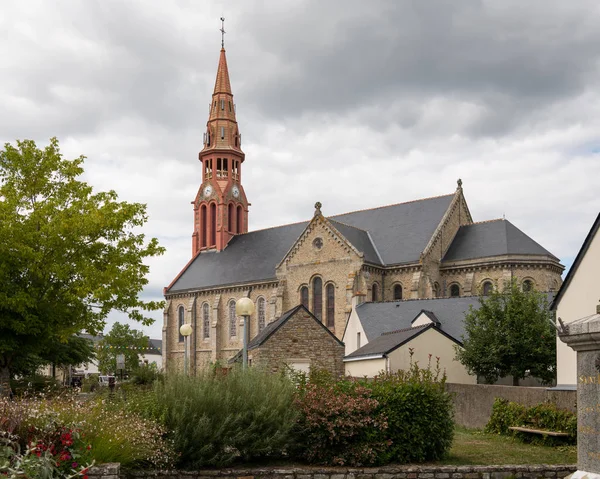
{"x": 221, "y": 206}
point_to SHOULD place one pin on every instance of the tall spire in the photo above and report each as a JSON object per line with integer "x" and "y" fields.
{"x": 222, "y": 84}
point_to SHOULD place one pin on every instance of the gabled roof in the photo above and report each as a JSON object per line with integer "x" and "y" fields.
{"x": 359, "y": 239}
{"x": 387, "y": 342}
{"x": 430, "y": 314}
{"x": 584, "y": 248}
{"x": 394, "y": 234}
{"x": 271, "y": 328}
{"x": 383, "y": 317}
{"x": 492, "y": 238}
{"x": 154, "y": 346}
{"x": 400, "y": 232}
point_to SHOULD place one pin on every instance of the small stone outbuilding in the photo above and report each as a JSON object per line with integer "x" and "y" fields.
{"x": 298, "y": 341}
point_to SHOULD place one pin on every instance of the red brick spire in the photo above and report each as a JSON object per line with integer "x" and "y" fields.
{"x": 221, "y": 206}
{"x": 222, "y": 84}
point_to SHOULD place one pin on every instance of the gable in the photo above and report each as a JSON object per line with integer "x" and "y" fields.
{"x": 423, "y": 318}
{"x": 585, "y": 264}
{"x": 320, "y": 242}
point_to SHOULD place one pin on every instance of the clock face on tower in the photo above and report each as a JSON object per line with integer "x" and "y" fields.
{"x": 208, "y": 190}
{"x": 236, "y": 191}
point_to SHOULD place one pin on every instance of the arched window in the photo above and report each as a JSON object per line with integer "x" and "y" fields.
{"x": 436, "y": 290}
{"x": 261, "y": 314}
{"x": 527, "y": 285}
{"x": 454, "y": 291}
{"x": 213, "y": 224}
{"x": 232, "y": 319}
{"x": 398, "y": 291}
{"x": 230, "y": 213}
{"x": 375, "y": 292}
{"x": 330, "y": 301}
{"x": 206, "y": 320}
{"x": 240, "y": 220}
{"x": 181, "y": 313}
{"x": 318, "y": 298}
{"x": 203, "y": 226}
{"x": 488, "y": 287}
{"x": 304, "y": 296}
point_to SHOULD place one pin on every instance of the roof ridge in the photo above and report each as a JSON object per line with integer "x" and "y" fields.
{"x": 345, "y": 224}
{"x": 393, "y": 204}
{"x": 417, "y": 299}
{"x": 273, "y": 227}
{"x": 487, "y": 221}
{"x": 411, "y": 328}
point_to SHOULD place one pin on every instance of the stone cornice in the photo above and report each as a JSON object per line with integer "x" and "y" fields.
{"x": 223, "y": 288}
{"x": 505, "y": 261}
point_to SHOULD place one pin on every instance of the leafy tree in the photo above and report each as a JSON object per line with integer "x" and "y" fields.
{"x": 68, "y": 255}
{"x": 510, "y": 334}
{"x": 72, "y": 352}
{"x": 121, "y": 340}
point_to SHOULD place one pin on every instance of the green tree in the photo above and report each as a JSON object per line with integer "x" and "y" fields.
{"x": 511, "y": 333}
{"x": 68, "y": 255}
{"x": 121, "y": 340}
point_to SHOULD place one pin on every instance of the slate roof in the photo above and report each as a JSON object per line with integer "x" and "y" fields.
{"x": 387, "y": 342}
{"x": 154, "y": 346}
{"x": 383, "y": 317}
{"x": 359, "y": 239}
{"x": 400, "y": 232}
{"x": 586, "y": 244}
{"x": 492, "y": 238}
{"x": 396, "y": 233}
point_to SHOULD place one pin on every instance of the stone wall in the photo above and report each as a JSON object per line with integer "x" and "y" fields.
{"x": 473, "y": 402}
{"x": 388, "y": 472}
{"x": 301, "y": 338}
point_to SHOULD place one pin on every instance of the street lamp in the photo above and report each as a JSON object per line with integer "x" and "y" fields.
{"x": 185, "y": 331}
{"x": 245, "y": 307}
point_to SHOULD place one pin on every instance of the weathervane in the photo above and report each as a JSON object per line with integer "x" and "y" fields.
{"x": 222, "y": 30}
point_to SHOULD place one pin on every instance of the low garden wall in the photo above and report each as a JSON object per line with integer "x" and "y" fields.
{"x": 473, "y": 402}
{"x": 111, "y": 471}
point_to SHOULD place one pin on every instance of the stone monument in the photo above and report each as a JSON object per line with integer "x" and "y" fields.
{"x": 583, "y": 335}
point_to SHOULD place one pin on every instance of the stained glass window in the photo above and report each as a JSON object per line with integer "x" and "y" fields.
{"x": 318, "y": 298}
{"x": 304, "y": 296}
{"x": 261, "y": 314}
{"x": 330, "y": 305}
{"x": 181, "y": 313}
{"x": 206, "y": 320}
{"x": 232, "y": 319}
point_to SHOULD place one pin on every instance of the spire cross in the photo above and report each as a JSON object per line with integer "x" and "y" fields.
{"x": 222, "y": 30}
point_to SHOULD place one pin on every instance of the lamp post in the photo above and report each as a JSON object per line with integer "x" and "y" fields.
{"x": 185, "y": 330}
{"x": 245, "y": 307}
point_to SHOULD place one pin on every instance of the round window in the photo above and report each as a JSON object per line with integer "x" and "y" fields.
{"x": 318, "y": 243}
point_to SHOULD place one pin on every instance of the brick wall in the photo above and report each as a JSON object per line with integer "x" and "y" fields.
{"x": 389, "y": 472}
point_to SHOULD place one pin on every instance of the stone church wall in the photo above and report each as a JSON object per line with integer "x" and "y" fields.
{"x": 333, "y": 261}
{"x": 408, "y": 278}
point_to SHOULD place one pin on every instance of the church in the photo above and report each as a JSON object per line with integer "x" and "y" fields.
{"x": 418, "y": 250}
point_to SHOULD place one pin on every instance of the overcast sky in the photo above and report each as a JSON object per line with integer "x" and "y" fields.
{"x": 355, "y": 104}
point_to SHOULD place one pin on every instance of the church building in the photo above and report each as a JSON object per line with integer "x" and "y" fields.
{"x": 422, "y": 249}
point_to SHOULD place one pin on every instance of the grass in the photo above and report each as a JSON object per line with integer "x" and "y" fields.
{"x": 474, "y": 447}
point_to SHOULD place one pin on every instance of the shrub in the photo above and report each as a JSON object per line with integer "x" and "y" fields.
{"x": 419, "y": 411}
{"x": 217, "y": 419}
{"x": 33, "y": 384}
{"x": 544, "y": 416}
{"x": 339, "y": 425}
{"x": 145, "y": 375}
{"x": 90, "y": 384}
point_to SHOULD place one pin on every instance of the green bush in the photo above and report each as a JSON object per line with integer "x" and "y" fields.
{"x": 419, "y": 412}
{"x": 145, "y": 375}
{"x": 90, "y": 384}
{"x": 217, "y": 419}
{"x": 544, "y": 416}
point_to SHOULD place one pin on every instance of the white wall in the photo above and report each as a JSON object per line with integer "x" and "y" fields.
{"x": 435, "y": 343}
{"x": 365, "y": 367}
{"x": 352, "y": 328}
{"x": 578, "y": 301}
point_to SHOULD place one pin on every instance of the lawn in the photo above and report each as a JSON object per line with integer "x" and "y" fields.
{"x": 474, "y": 447}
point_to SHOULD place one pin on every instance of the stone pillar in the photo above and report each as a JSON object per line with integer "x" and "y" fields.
{"x": 584, "y": 337}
